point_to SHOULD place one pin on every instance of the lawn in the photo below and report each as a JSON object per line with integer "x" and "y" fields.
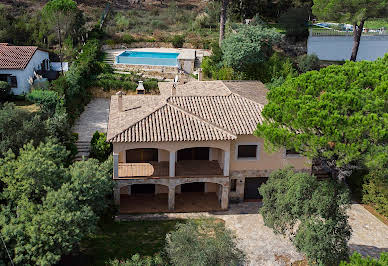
{"x": 124, "y": 239}
{"x": 26, "y": 105}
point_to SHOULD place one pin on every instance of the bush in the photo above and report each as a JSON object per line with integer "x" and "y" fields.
{"x": 128, "y": 39}
{"x": 357, "y": 260}
{"x": 5, "y": 90}
{"x": 311, "y": 212}
{"x": 375, "y": 190}
{"x": 47, "y": 100}
{"x": 150, "y": 85}
{"x": 204, "y": 242}
{"x": 295, "y": 21}
{"x": 100, "y": 149}
{"x": 137, "y": 260}
{"x": 178, "y": 41}
{"x": 308, "y": 63}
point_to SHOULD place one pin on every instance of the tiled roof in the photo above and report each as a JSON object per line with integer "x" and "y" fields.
{"x": 199, "y": 111}
{"x": 233, "y": 113}
{"x": 15, "y": 57}
{"x": 169, "y": 123}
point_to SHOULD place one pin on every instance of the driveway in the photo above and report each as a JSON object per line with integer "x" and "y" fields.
{"x": 93, "y": 118}
{"x": 263, "y": 247}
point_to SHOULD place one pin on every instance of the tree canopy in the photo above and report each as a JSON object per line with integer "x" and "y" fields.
{"x": 249, "y": 45}
{"x": 304, "y": 208}
{"x": 45, "y": 208}
{"x": 338, "y": 114}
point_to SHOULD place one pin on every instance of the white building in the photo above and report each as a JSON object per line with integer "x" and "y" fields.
{"x": 18, "y": 64}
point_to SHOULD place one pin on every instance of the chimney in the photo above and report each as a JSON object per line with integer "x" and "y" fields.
{"x": 173, "y": 89}
{"x": 120, "y": 100}
{"x": 140, "y": 88}
{"x": 200, "y": 74}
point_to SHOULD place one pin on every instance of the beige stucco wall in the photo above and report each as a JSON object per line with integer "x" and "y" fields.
{"x": 266, "y": 160}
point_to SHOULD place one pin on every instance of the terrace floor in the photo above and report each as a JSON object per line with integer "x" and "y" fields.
{"x": 160, "y": 169}
{"x": 184, "y": 202}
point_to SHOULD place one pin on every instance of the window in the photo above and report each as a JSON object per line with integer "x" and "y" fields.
{"x": 292, "y": 152}
{"x": 233, "y": 184}
{"x": 247, "y": 151}
{"x": 14, "y": 82}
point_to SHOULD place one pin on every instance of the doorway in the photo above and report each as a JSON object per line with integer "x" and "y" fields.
{"x": 252, "y": 185}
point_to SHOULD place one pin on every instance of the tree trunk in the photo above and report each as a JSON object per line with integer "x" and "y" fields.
{"x": 224, "y": 7}
{"x": 357, "y": 31}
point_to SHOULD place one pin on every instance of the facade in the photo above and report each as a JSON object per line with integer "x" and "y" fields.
{"x": 18, "y": 65}
{"x": 192, "y": 138}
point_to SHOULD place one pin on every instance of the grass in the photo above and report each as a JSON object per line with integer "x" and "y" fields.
{"x": 123, "y": 239}
{"x": 26, "y": 105}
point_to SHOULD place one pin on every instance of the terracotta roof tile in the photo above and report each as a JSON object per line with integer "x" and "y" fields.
{"x": 169, "y": 123}
{"x": 15, "y": 57}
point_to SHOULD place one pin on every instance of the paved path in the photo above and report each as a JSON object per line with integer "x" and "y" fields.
{"x": 263, "y": 247}
{"x": 95, "y": 117}
{"x": 370, "y": 235}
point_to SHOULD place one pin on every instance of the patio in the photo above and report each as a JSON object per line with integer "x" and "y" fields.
{"x": 184, "y": 202}
{"x": 161, "y": 169}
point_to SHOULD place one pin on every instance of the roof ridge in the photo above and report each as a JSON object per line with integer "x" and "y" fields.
{"x": 245, "y": 98}
{"x": 201, "y": 118}
{"x": 134, "y": 123}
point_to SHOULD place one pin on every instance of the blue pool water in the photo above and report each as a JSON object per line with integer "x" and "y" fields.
{"x": 148, "y": 58}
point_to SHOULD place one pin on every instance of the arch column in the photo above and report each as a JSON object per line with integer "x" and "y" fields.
{"x": 171, "y": 197}
{"x": 225, "y": 197}
{"x": 115, "y": 165}
{"x": 172, "y": 163}
{"x": 116, "y": 195}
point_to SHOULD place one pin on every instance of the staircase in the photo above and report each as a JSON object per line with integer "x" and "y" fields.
{"x": 83, "y": 148}
{"x": 109, "y": 59}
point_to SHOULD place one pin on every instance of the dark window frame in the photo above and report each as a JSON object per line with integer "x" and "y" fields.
{"x": 252, "y": 154}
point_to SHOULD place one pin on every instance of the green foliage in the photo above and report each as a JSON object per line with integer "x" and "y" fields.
{"x": 18, "y": 127}
{"x": 47, "y": 100}
{"x": 5, "y": 90}
{"x": 127, "y": 38}
{"x": 178, "y": 41}
{"x": 375, "y": 190}
{"x": 295, "y": 21}
{"x": 137, "y": 260}
{"x": 250, "y": 45}
{"x": 308, "y": 63}
{"x": 45, "y": 208}
{"x": 311, "y": 212}
{"x": 337, "y": 114}
{"x": 350, "y": 11}
{"x": 204, "y": 242}
{"x": 357, "y": 260}
{"x": 100, "y": 149}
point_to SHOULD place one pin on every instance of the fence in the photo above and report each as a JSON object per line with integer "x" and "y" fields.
{"x": 332, "y": 32}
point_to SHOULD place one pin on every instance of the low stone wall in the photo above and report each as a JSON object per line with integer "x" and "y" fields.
{"x": 162, "y": 69}
{"x": 144, "y": 45}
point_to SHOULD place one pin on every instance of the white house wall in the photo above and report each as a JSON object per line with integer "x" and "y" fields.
{"x": 24, "y": 75}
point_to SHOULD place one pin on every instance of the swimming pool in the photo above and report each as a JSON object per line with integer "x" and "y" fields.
{"x": 148, "y": 58}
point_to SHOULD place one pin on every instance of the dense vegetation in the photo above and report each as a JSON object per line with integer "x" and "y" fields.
{"x": 357, "y": 260}
{"x": 311, "y": 212}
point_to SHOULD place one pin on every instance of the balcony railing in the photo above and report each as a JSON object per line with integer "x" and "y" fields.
{"x": 161, "y": 169}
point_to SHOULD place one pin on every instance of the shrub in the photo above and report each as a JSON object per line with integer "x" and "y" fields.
{"x": 295, "y": 21}
{"x": 357, "y": 260}
{"x": 100, "y": 149}
{"x": 308, "y": 63}
{"x": 224, "y": 73}
{"x": 150, "y": 85}
{"x": 178, "y": 41}
{"x": 311, "y": 212}
{"x": 47, "y": 100}
{"x": 204, "y": 242}
{"x": 375, "y": 190}
{"x": 127, "y": 38}
{"x": 137, "y": 260}
{"x": 5, "y": 90}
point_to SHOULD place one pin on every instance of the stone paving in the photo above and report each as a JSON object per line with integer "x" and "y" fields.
{"x": 263, "y": 247}
{"x": 95, "y": 117}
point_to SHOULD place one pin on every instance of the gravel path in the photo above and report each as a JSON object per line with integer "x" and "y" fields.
{"x": 263, "y": 247}
{"x": 95, "y": 117}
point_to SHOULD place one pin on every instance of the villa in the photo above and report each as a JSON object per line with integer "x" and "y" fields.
{"x": 18, "y": 65}
{"x": 192, "y": 147}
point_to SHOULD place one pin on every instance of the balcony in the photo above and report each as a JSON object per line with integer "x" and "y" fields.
{"x": 189, "y": 168}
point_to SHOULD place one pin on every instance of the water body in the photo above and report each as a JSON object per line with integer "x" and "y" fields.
{"x": 337, "y": 48}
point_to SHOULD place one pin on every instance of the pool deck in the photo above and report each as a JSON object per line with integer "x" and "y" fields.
{"x": 184, "y": 53}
